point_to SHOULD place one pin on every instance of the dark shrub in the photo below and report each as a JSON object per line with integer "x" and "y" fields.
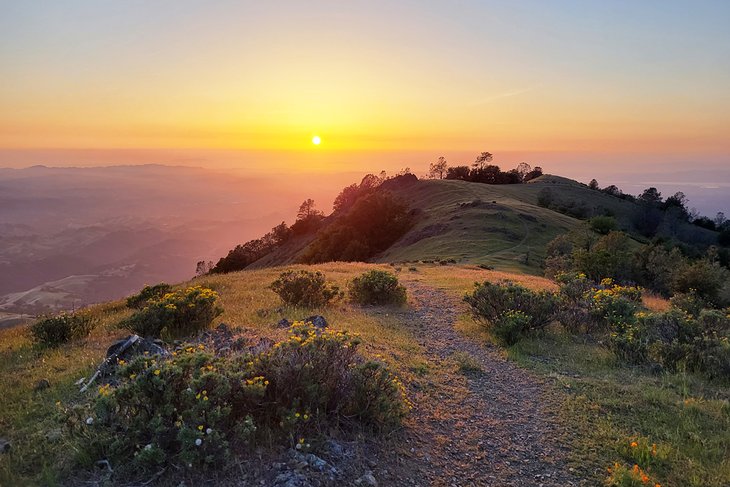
{"x": 55, "y": 330}
{"x": 377, "y": 287}
{"x": 491, "y": 302}
{"x": 176, "y": 314}
{"x": 138, "y": 301}
{"x": 701, "y": 277}
{"x": 304, "y": 288}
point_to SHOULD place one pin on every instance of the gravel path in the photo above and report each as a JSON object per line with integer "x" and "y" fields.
{"x": 496, "y": 427}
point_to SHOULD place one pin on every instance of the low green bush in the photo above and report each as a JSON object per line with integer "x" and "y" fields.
{"x": 62, "y": 328}
{"x": 176, "y": 314}
{"x": 603, "y": 224}
{"x": 195, "y": 410}
{"x": 615, "y": 305}
{"x": 511, "y": 326}
{"x": 676, "y": 340}
{"x": 377, "y": 287}
{"x": 139, "y": 300}
{"x": 305, "y": 288}
{"x": 495, "y": 304}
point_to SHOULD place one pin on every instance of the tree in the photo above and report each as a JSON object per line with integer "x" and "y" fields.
{"x": 720, "y": 219}
{"x": 482, "y": 159}
{"x": 679, "y": 201}
{"x": 523, "y": 169}
{"x": 437, "y": 170}
{"x": 651, "y": 196}
{"x": 346, "y": 198}
{"x": 203, "y": 267}
{"x": 458, "y": 172}
{"x": 535, "y": 173}
{"x": 593, "y": 184}
{"x": 613, "y": 190}
{"x": 307, "y": 210}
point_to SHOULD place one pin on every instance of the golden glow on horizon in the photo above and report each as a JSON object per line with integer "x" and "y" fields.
{"x": 259, "y": 77}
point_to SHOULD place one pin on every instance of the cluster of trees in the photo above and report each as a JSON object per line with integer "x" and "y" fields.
{"x": 482, "y": 171}
{"x": 654, "y": 210}
{"x": 372, "y": 224}
{"x": 366, "y": 220}
{"x": 660, "y": 266}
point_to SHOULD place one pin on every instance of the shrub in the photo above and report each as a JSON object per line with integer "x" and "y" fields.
{"x": 196, "y": 409}
{"x": 188, "y": 411}
{"x": 701, "y": 277}
{"x": 614, "y": 305}
{"x": 304, "y": 288}
{"x": 511, "y": 326}
{"x": 138, "y": 301}
{"x": 603, "y": 224}
{"x": 176, "y": 314}
{"x": 689, "y": 302}
{"x": 62, "y": 328}
{"x": 491, "y": 302}
{"x": 675, "y": 339}
{"x": 377, "y": 287}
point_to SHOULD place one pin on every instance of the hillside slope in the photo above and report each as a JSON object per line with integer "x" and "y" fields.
{"x": 494, "y": 225}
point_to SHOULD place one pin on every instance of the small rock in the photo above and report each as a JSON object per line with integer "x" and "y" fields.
{"x": 367, "y": 479}
{"x": 4, "y": 446}
{"x": 42, "y": 385}
{"x": 283, "y": 323}
{"x": 54, "y": 435}
{"x": 317, "y": 321}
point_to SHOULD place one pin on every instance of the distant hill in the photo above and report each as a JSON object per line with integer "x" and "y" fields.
{"x": 502, "y": 226}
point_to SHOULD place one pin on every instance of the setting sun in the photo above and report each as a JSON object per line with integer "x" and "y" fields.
{"x": 316, "y": 140}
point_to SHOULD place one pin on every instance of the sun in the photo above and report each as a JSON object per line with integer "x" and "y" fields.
{"x": 316, "y": 140}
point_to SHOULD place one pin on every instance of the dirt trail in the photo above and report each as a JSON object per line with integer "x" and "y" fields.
{"x": 493, "y": 428}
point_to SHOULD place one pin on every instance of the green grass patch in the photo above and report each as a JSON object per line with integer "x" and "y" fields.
{"x": 609, "y": 405}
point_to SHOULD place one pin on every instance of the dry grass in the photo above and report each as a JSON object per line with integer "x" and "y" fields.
{"x": 654, "y": 302}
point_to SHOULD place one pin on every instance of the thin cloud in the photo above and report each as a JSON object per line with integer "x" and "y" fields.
{"x": 506, "y": 94}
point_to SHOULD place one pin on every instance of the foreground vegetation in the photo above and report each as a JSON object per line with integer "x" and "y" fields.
{"x": 672, "y": 422}
{"x": 57, "y": 432}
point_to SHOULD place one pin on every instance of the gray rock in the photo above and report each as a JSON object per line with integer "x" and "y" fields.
{"x": 284, "y": 323}
{"x": 291, "y": 479}
{"x": 367, "y": 479}
{"x": 317, "y": 320}
{"x": 4, "y": 445}
{"x": 54, "y": 435}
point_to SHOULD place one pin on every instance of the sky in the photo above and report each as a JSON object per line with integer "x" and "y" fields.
{"x": 581, "y": 86}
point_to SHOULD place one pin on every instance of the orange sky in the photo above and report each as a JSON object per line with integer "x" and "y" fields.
{"x": 369, "y": 78}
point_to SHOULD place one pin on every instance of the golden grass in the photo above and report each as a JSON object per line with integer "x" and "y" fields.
{"x": 654, "y": 302}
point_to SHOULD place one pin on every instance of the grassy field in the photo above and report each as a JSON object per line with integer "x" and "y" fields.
{"x": 608, "y": 404}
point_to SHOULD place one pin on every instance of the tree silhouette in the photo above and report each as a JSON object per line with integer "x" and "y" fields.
{"x": 482, "y": 159}
{"x": 593, "y": 184}
{"x": 307, "y": 210}
{"x": 437, "y": 170}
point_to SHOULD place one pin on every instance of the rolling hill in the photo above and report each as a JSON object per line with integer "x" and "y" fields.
{"x": 501, "y": 226}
